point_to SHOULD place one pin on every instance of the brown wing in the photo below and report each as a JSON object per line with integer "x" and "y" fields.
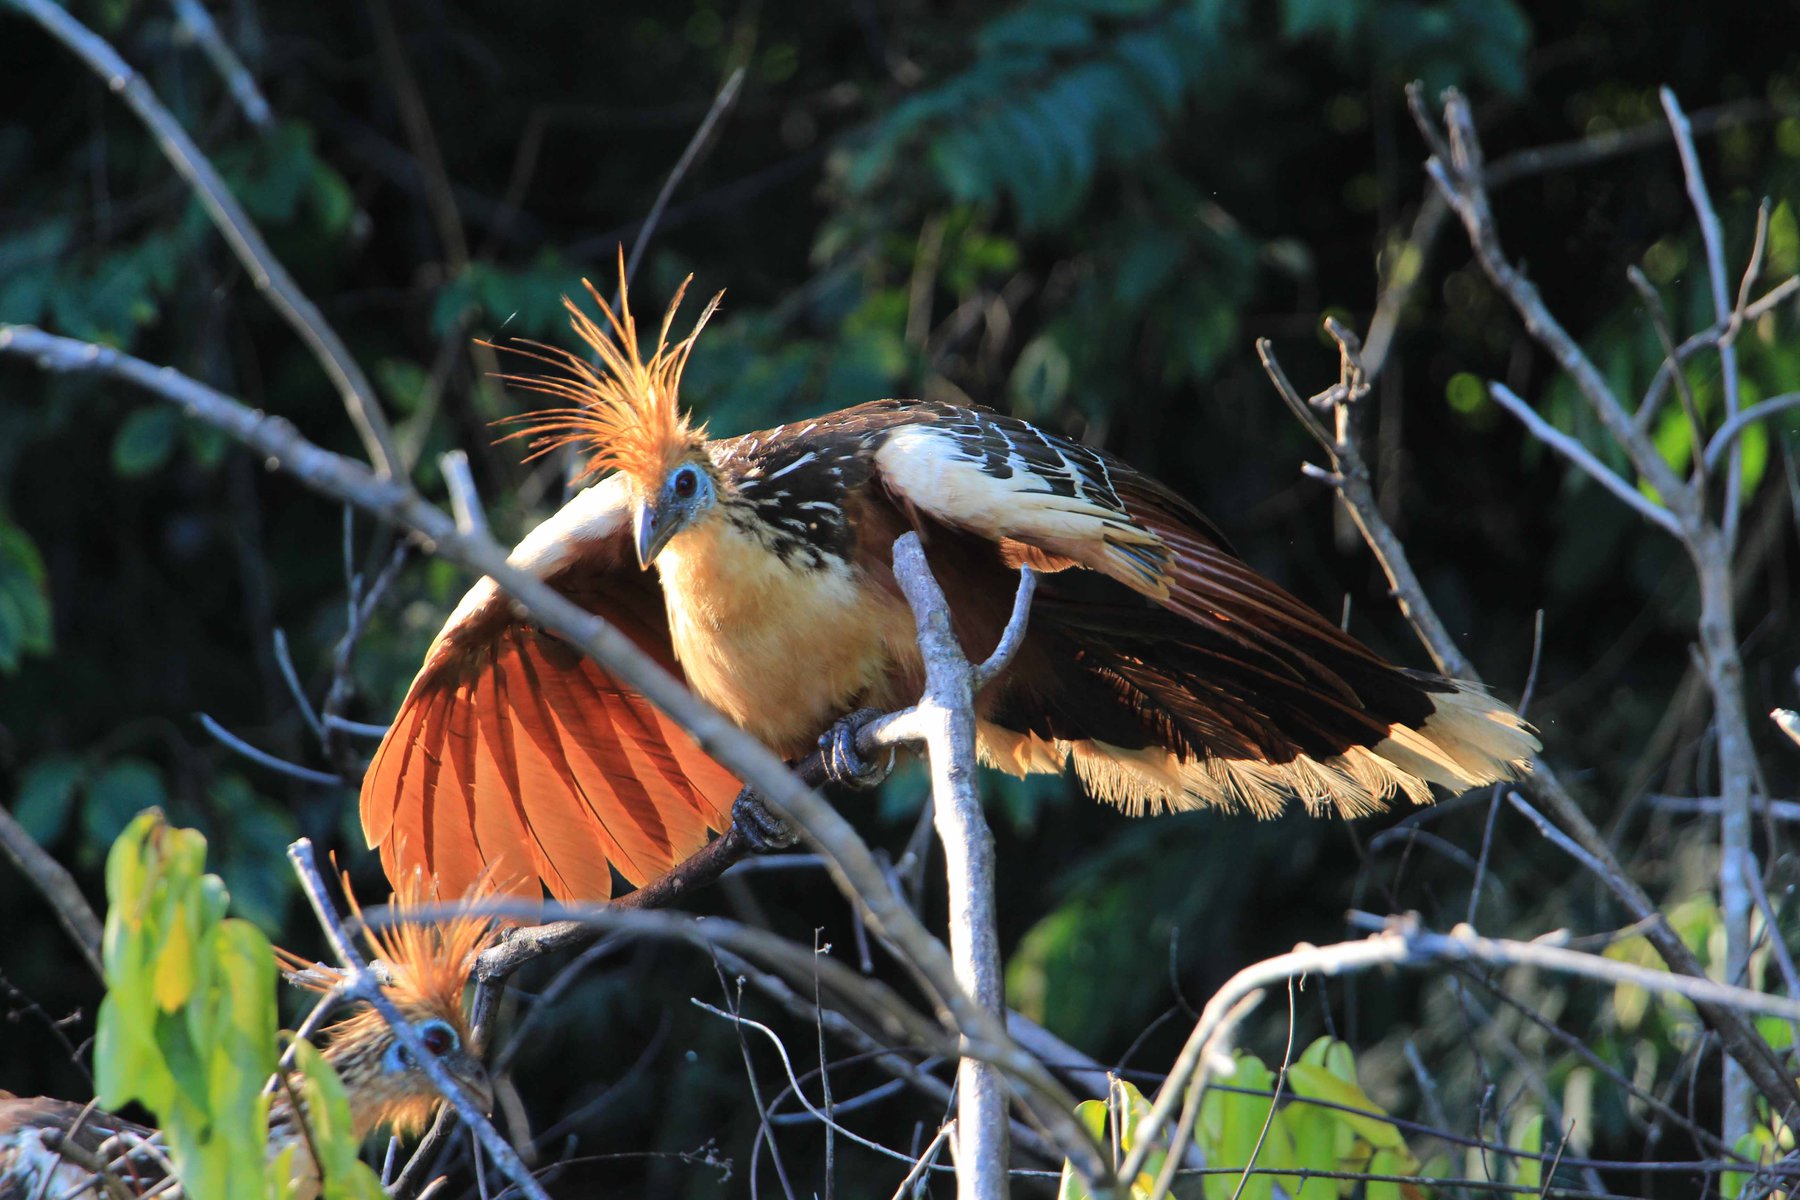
{"x": 516, "y": 755}
{"x": 1169, "y": 671}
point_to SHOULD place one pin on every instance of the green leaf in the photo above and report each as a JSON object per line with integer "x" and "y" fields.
{"x": 118, "y": 792}
{"x": 1094, "y": 1117}
{"x": 1337, "y": 19}
{"x": 1313, "y": 1136}
{"x": 1320, "y": 1083}
{"x": 47, "y": 797}
{"x": 1528, "y": 1137}
{"x": 1758, "y": 1146}
{"x": 1235, "y": 1130}
{"x": 1387, "y": 1162}
{"x": 1333, "y": 1055}
{"x": 331, "y": 199}
{"x": 345, "y": 1175}
{"x": 25, "y": 622}
{"x": 145, "y": 441}
{"x": 1784, "y": 241}
{"x": 187, "y": 1027}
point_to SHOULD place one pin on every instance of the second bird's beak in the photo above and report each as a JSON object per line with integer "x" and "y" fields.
{"x": 654, "y": 528}
{"x": 475, "y": 1081}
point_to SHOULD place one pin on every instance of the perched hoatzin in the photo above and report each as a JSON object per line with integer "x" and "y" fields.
{"x": 52, "y": 1148}
{"x": 1167, "y": 671}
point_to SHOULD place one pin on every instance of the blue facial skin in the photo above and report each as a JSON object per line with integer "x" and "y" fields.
{"x": 438, "y": 1037}
{"x": 686, "y": 493}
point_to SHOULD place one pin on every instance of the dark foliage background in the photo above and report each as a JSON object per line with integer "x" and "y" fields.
{"x": 1082, "y": 211}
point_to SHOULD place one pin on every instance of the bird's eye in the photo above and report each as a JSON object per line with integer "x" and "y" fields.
{"x": 439, "y": 1038}
{"x": 686, "y": 481}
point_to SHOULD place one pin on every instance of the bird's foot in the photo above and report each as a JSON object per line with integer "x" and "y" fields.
{"x": 765, "y": 831}
{"x": 837, "y": 749}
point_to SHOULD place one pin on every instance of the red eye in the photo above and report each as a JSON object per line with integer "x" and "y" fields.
{"x": 685, "y": 483}
{"x": 439, "y": 1039}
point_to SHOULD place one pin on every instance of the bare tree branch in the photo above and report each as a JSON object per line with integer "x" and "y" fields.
{"x": 198, "y": 24}
{"x": 1712, "y": 236}
{"x": 229, "y": 217}
{"x": 944, "y": 719}
{"x": 1351, "y": 481}
{"x": 851, "y": 864}
{"x": 56, "y": 886}
{"x": 1402, "y": 941}
{"x": 1733, "y": 429}
{"x": 365, "y": 986}
{"x": 1572, "y": 449}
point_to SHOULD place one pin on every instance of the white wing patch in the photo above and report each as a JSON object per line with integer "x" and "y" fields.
{"x": 593, "y": 514}
{"x": 1057, "y": 508}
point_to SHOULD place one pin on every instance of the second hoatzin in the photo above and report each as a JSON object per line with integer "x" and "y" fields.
{"x": 1169, "y": 673}
{"x": 51, "y": 1148}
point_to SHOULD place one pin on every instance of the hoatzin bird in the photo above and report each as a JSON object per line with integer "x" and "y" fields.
{"x": 1163, "y": 668}
{"x": 52, "y": 1148}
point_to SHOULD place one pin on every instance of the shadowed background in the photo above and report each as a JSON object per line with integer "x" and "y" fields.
{"x": 1080, "y": 211}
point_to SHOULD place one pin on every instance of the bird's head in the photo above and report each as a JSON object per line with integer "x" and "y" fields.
{"x": 627, "y": 414}
{"x": 426, "y": 964}
{"x": 386, "y": 1086}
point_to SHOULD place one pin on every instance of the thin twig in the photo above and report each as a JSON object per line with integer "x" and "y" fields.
{"x": 198, "y": 24}
{"x": 927, "y": 1160}
{"x": 1661, "y": 382}
{"x": 1784, "y": 958}
{"x": 1733, "y": 428}
{"x": 1458, "y": 177}
{"x": 1403, "y": 942}
{"x": 1712, "y": 236}
{"x": 1572, "y": 449}
{"x": 721, "y": 105}
{"x": 1711, "y": 548}
{"x": 1457, "y": 169}
{"x": 787, "y": 1066}
{"x": 238, "y": 745}
{"x": 1659, "y": 321}
{"x": 465, "y": 501}
{"x": 229, "y": 217}
{"x": 285, "y": 661}
{"x": 57, "y": 887}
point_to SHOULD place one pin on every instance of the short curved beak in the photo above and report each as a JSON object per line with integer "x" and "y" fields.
{"x": 653, "y": 529}
{"x": 475, "y": 1081}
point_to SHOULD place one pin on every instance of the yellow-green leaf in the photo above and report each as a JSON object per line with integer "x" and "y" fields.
{"x": 1318, "y": 1083}
{"x": 174, "y": 978}
{"x": 1387, "y": 1162}
{"x": 1528, "y": 1138}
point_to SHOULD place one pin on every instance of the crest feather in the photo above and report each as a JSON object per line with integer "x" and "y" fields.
{"x": 427, "y": 964}
{"x": 627, "y": 412}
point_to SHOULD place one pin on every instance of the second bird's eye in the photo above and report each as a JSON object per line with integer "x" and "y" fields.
{"x": 685, "y": 482}
{"x": 440, "y": 1039}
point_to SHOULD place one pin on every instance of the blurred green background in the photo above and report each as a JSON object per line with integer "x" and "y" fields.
{"x": 1081, "y": 211}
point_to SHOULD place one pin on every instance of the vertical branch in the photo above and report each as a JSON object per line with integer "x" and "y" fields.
{"x": 1456, "y": 169}
{"x": 1713, "y": 238}
{"x": 1710, "y": 548}
{"x": 1710, "y": 545}
{"x": 944, "y": 720}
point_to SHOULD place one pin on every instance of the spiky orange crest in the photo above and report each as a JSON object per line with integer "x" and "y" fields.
{"x": 627, "y": 412}
{"x": 427, "y": 962}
